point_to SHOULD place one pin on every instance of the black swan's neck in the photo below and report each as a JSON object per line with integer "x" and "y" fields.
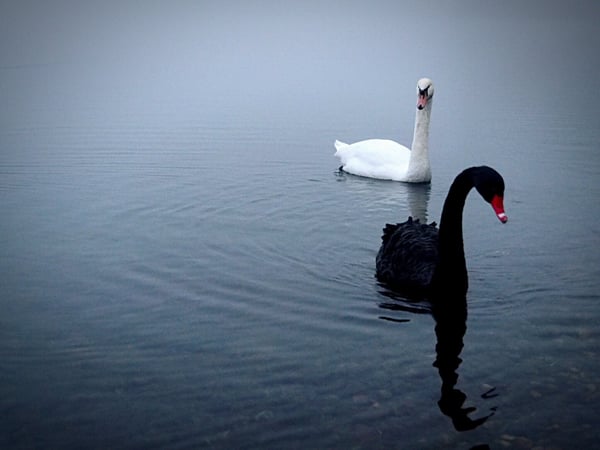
{"x": 451, "y": 272}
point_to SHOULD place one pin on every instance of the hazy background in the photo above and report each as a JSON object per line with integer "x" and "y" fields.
{"x": 233, "y": 57}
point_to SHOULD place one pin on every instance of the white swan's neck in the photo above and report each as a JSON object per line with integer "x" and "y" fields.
{"x": 418, "y": 166}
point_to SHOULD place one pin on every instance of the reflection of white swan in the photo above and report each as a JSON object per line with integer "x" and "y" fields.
{"x": 388, "y": 160}
{"x": 418, "y": 200}
{"x": 387, "y": 195}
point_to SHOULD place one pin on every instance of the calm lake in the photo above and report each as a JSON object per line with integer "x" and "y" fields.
{"x": 183, "y": 266}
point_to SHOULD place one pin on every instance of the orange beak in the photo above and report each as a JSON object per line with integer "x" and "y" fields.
{"x": 421, "y": 101}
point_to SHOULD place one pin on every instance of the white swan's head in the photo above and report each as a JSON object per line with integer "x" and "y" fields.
{"x": 424, "y": 92}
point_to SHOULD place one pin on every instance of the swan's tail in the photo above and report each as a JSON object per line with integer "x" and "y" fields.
{"x": 339, "y": 145}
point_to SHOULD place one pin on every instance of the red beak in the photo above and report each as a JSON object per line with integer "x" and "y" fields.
{"x": 498, "y": 205}
{"x": 421, "y": 101}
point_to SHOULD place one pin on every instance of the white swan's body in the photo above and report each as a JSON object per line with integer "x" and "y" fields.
{"x": 388, "y": 160}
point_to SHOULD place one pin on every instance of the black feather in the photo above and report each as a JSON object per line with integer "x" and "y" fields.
{"x": 408, "y": 255}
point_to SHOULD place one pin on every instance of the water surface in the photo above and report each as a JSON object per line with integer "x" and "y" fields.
{"x": 183, "y": 265}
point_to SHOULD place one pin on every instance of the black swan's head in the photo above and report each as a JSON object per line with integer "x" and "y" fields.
{"x": 424, "y": 92}
{"x": 490, "y": 186}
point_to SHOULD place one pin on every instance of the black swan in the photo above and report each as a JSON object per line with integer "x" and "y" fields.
{"x": 420, "y": 261}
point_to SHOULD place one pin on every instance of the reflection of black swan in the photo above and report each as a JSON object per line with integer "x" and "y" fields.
{"x": 420, "y": 261}
{"x": 451, "y": 325}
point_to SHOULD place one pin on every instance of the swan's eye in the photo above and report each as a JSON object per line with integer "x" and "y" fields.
{"x": 425, "y": 92}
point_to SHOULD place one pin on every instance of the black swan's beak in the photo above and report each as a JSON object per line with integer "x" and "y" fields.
{"x": 498, "y": 205}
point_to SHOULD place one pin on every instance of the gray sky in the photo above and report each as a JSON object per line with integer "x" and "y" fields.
{"x": 267, "y": 48}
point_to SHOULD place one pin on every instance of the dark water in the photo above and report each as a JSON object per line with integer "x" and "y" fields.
{"x": 183, "y": 267}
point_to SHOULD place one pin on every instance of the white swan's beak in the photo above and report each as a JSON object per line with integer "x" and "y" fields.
{"x": 422, "y": 101}
{"x": 498, "y": 205}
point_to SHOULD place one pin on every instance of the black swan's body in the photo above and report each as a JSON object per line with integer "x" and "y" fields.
{"x": 421, "y": 261}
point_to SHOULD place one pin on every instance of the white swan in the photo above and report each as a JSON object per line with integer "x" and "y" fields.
{"x": 388, "y": 160}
